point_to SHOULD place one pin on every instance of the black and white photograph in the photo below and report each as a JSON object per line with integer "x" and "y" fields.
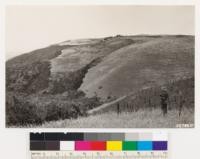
{"x": 100, "y": 66}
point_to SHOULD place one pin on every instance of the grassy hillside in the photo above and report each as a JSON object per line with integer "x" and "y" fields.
{"x": 141, "y": 65}
{"x": 52, "y": 83}
{"x": 74, "y": 62}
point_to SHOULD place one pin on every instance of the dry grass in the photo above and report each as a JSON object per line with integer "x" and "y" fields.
{"x": 140, "y": 119}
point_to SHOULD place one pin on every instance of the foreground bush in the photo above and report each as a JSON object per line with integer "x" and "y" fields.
{"x": 22, "y": 110}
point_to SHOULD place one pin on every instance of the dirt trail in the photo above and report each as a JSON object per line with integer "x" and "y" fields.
{"x": 106, "y": 105}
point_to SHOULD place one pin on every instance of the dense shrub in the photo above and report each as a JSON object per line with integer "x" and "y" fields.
{"x": 34, "y": 109}
{"x": 61, "y": 82}
{"x": 28, "y": 79}
{"x": 20, "y": 112}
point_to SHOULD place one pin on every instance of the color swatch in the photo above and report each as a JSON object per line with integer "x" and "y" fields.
{"x": 98, "y": 142}
{"x": 129, "y": 145}
{"x": 144, "y": 145}
{"x": 114, "y": 145}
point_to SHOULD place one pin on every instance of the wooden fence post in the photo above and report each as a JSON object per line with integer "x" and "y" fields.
{"x": 118, "y": 109}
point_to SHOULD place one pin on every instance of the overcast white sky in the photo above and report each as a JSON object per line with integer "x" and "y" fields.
{"x": 32, "y": 27}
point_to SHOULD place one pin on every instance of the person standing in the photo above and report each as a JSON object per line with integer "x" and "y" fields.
{"x": 164, "y": 97}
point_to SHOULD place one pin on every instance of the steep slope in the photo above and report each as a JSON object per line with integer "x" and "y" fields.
{"x": 141, "y": 65}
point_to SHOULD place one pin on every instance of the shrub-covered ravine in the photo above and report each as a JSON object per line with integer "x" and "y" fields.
{"x": 32, "y": 97}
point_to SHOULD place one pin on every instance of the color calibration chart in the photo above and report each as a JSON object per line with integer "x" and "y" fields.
{"x": 98, "y": 145}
